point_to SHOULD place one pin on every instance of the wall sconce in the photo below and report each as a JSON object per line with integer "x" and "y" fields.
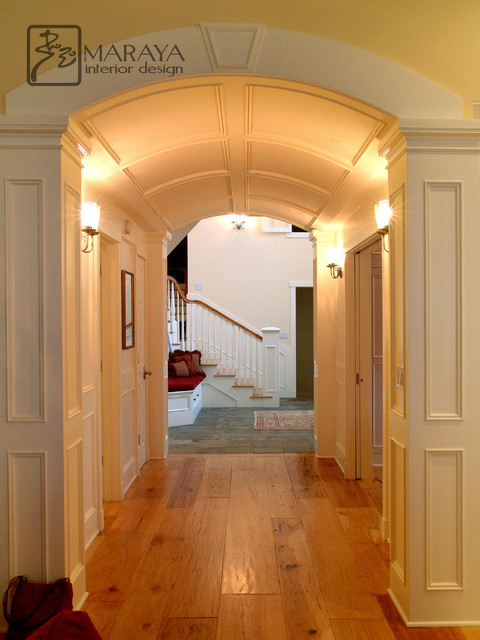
{"x": 382, "y": 217}
{"x": 238, "y": 221}
{"x": 335, "y": 261}
{"x": 90, "y": 220}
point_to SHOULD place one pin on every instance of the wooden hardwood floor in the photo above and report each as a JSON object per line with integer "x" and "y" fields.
{"x": 245, "y": 547}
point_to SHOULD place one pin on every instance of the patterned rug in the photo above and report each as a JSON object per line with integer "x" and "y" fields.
{"x": 283, "y": 420}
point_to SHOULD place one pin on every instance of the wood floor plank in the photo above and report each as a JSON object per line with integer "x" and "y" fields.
{"x": 250, "y": 564}
{"x": 216, "y": 479}
{"x": 304, "y": 606}
{"x": 104, "y": 615}
{"x": 249, "y": 462}
{"x": 304, "y": 476}
{"x": 192, "y": 628}
{"x": 185, "y": 491}
{"x": 471, "y": 633}
{"x": 359, "y": 523}
{"x": 141, "y": 615}
{"x": 374, "y": 560}
{"x": 251, "y": 617}
{"x": 280, "y": 492}
{"x": 342, "y": 493}
{"x": 362, "y": 630}
{"x": 120, "y": 551}
{"x": 196, "y": 589}
{"x": 347, "y": 591}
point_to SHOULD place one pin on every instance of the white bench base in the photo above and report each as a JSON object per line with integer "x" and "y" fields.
{"x": 184, "y": 406}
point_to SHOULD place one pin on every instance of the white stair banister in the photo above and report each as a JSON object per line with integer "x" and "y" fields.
{"x": 250, "y": 357}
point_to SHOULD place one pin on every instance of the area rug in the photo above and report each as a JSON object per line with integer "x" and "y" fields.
{"x": 284, "y": 420}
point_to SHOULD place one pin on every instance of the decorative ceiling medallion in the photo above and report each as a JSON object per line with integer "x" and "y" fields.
{"x": 233, "y": 47}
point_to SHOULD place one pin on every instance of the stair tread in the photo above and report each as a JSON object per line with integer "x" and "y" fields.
{"x": 243, "y": 386}
{"x": 261, "y": 396}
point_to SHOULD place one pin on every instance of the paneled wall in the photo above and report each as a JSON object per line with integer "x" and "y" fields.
{"x": 41, "y": 443}
{"x": 434, "y": 306}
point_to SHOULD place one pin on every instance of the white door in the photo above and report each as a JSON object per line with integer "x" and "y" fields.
{"x": 369, "y": 339}
{"x": 141, "y": 364}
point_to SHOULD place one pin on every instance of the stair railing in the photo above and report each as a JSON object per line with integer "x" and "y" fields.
{"x": 223, "y": 341}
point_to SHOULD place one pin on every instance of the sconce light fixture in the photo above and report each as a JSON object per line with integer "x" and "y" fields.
{"x": 90, "y": 220}
{"x": 382, "y": 217}
{"x": 335, "y": 261}
{"x": 238, "y": 221}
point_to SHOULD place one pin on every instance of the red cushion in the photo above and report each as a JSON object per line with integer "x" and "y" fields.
{"x": 185, "y": 384}
{"x": 67, "y": 625}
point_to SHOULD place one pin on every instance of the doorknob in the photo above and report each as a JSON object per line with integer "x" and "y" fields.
{"x": 146, "y": 373}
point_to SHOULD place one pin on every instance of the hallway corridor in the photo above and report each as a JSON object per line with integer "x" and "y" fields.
{"x": 245, "y": 547}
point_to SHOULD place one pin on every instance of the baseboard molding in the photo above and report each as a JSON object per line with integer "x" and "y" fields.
{"x": 82, "y": 601}
{"x": 340, "y": 465}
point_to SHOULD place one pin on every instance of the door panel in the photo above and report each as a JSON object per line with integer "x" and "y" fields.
{"x": 141, "y": 364}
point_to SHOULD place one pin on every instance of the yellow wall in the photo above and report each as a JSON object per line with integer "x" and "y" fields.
{"x": 435, "y": 38}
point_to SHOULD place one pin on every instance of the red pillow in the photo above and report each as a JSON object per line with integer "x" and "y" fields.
{"x": 187, "y": 358}
{"x": 74, "y": 625}
{"x": 197, "y": 361}
{"x": 179, "y": 369}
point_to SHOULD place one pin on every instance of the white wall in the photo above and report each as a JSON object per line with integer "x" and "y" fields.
{"x": 247, "y": 274}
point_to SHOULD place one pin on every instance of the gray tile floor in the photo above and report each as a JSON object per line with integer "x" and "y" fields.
{"x": 231, "y": 431}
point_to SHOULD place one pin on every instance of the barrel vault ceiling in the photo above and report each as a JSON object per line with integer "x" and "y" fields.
{"x": 172, "y": 153}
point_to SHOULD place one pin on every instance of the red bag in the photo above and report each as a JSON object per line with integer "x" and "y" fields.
{"x": 67, "y": 625}
{"x": 28, "y": 605}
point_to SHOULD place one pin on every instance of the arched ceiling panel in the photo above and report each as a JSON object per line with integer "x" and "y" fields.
{"x": 192, "y": 192}
{"x": 310, "y": 121}
{"x": 140, "y": 127}
{"x": 292, "y": 162}
{"x": 285, "y": 192}
{"x": 193, "y": 160}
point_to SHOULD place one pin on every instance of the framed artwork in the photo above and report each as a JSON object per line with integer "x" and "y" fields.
{"x": 128, "y": 310}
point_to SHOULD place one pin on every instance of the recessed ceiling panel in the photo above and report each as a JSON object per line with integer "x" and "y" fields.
{"x": 191, "y": 193}
{"x": 285, "y": 192}
{"x": 295, "y": 163}
{"x": 175, "y": 164}
{"x": 157, "y": 121}
{"x": 312, "y": 121}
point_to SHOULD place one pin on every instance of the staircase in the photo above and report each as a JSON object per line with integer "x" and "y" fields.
{"x": 241, "y": 365}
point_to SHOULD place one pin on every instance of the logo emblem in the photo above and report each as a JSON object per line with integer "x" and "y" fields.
{"x": 54, "y": 46}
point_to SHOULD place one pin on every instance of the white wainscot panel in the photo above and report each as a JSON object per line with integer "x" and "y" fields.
{"x": 444, "y": 499}
{"x": 443, "y": 250}
{"x": 89, "y": 463}
{"x": 72, "y": 243}
{"x": 283, "y": 370}
{"x": 27, "y": 518}
{"x": 399, "y": 519}
{"x": 75, "y": 516}
{"x": 25, "y": 304}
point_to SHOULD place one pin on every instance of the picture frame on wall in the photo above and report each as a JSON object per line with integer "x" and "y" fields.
{"x": 128, "y": 310}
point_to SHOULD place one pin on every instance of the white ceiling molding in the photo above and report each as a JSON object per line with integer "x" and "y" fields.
{"x": 233, "y": 47}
